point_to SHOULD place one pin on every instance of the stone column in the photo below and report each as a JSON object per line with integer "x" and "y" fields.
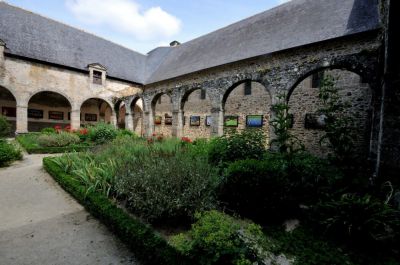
{"x": 75, "y": 119}
{"x": 2, "y": 47}
{"x": 217, "y": 126}
{"x": 177, "y": 123}
{"x": 113, "y": 119}
{"x": 22, "y": 119}
{"x": 129, "y": 121}
{"x": 148, "y": 123}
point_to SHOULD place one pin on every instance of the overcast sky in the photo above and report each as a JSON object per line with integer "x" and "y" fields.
{"x": 142, "y": 25}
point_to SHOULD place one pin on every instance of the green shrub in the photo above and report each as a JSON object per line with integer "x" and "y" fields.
{"x": 360, "y": 219}
{"x": 125, "y": 132}
{"x": 217, "y": 238}
{"x": 49, "y": 130}
{"x": 276, "y": 186}
{"x": 8, "y": 153}
{"x": 4, "y": 127}
{"x": 166, "y": 186}
{"x": 102, "y": 133}
{"x": 58, "y": 140}
{"x": 250, "y": 143}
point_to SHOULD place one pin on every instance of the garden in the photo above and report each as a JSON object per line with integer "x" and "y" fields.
{"x": 233, "y": 200}
{"x": 61, "y": 140}
{"x": 9, "y": 151}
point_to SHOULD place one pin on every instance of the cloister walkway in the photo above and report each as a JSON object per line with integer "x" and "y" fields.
{"x": 41, "y": 224}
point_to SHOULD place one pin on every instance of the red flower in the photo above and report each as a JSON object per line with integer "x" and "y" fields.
{"x": 186, "y": 139}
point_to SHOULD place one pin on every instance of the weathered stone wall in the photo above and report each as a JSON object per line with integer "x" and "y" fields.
{"x": 24, "y": 79}
{"x": 304, "y": 100}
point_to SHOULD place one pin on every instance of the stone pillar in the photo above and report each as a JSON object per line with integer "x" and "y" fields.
{"x": 2, "y": 47}
{"x": 129, "y": 121}
{"x": 148, "y": 123}
{"x": 75, "y": 119}
{"x": 22, "y": 119}
{"x": 113, "y": 119}
{"x": 177, "y": 123}
{"x": 217, "y": 126}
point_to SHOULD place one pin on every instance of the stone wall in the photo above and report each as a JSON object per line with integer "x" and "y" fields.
{"x": 304, "y": 100}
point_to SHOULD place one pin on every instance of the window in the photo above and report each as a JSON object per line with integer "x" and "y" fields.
{"x": 203, "y": 94}
{"x": 97, "y": 77}
{"x": 316, "y": 79}
{"x": 247, "y": 88}
{"x": 159, "y": 100}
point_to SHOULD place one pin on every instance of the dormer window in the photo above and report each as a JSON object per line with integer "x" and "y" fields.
{"x": 97, "y": 77}
{"x": 97, "y": 74}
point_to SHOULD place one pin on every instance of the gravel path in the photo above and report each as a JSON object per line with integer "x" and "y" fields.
{"x": 41, "y": 224}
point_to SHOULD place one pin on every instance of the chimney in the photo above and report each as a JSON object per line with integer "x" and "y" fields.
{"x": 174, "y": 43}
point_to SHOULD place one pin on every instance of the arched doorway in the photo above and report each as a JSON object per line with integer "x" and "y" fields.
{"x": 95, "y": 110}
{"x": 48, "y": 109}
{"x": 247, "y": 105}
{"x": 8, "y": 108}
{"x": 305, "y": 106}
{"x": 162, "y": 111}
{"x": 196, "y": 107}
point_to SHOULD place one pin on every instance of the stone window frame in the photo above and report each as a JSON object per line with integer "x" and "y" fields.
{"x": 94, "y": 78}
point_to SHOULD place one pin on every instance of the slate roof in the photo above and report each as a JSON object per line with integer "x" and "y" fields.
{"x": 30, "y": 35}
{"x": 294, "y": 24}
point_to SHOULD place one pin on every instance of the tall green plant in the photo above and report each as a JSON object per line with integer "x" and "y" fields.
{"x": 284, "y": 142}
{"x": 4, "y": 127}
{"x": 339, "y": 124}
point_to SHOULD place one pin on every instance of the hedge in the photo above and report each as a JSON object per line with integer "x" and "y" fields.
{"x": 148, "y": 246}
{"x": 35, "y": 149}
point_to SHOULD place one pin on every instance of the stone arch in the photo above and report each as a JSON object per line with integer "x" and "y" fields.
{"x": 48, "y": 108}
{"x": 57, "y": 91}
{"x": 8, "y": 107}
{"x": 257, "y": 101}
{"x": 196, "y": 111}
{"x": 304, "y": 105}
{"x": 351, "y": 65}
{"x": 95, "y": 109}
{"x": 162, "y": 108}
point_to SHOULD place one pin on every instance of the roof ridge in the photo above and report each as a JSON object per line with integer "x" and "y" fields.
{"x": 70, "y": 26}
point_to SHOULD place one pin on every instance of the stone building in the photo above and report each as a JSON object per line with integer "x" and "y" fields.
{"x": 51, "y": 73}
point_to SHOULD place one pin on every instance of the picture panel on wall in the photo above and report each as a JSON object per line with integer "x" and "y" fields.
{"x": 208, "y": 120}
{"x": 9, "y": 112}
{"x": 157, "y": 120}
{"x": 168, "y": 119}
{"x": 35, "y": 113}
{"x": 194, "y": 120}
{"x": 90, "y": 117}
{"x": 231, "y": 121}
{"x": 56, "y": 115}
{"x": 254, "y": 121}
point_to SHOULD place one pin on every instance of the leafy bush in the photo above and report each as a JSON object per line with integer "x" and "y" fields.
{"x": 275, "y": 186}
{"x": 358, "y": 218}
{"x": 4, "y": 127}
{"x": 160, "y": 185}
{"x": 58, "y": 140}
{"x": 102, "y": 133}
{"x": 125, "y": 132}
{"x": 217, "y": 238}
{"x": 48, "y": 130}
{"x": 250, "y": 143}
{"x": 8, "y": 153}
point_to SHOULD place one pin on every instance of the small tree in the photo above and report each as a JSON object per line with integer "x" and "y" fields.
{"x": 339, "y": 124}
{"x": 4, "y": 127}
{"x": 285, "y": 142}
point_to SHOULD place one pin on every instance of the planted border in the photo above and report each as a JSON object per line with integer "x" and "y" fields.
{"x": 147, "y": 245}
{"x": 35, "y": 149}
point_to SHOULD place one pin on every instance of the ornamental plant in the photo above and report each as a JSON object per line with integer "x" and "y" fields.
{"x": 4, "y": 127}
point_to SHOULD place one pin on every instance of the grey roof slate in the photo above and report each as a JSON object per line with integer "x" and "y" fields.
{"x": 30, "y": 35}
{"x": 294, "y": 24}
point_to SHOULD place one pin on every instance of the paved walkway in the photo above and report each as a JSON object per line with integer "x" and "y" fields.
{"x": 41, "y": 224}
